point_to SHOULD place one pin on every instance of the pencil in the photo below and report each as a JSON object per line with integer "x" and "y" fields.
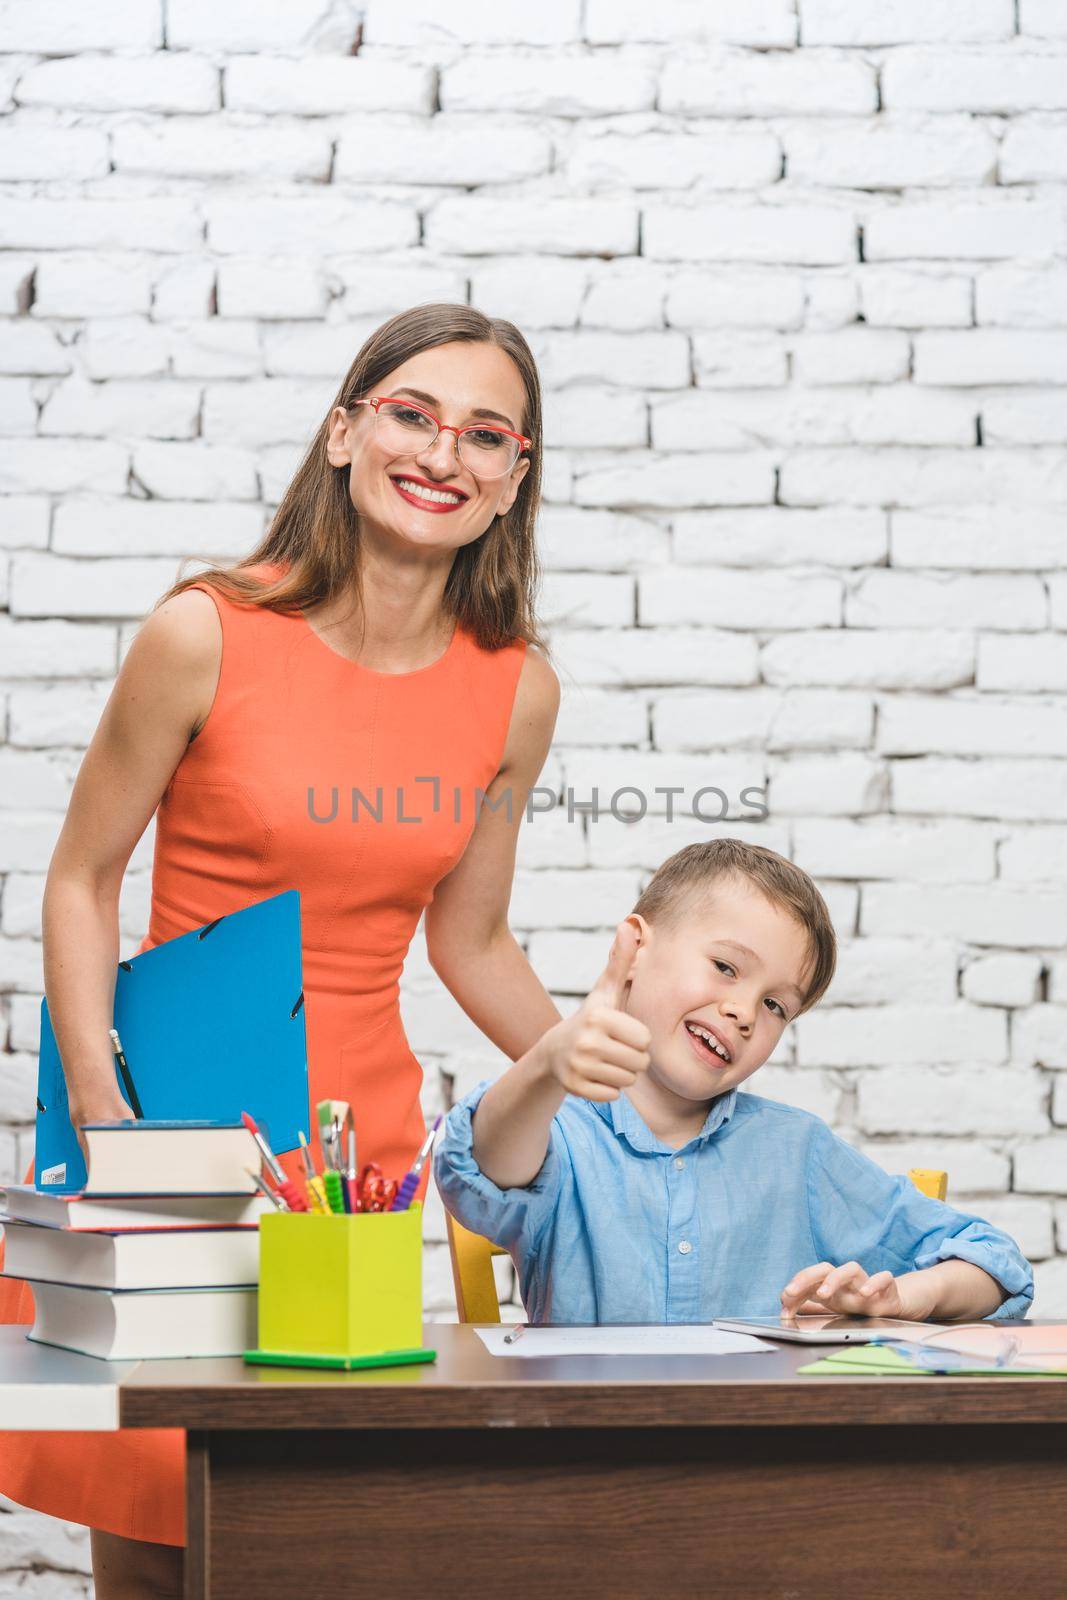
{"x": 124, "y": 1072}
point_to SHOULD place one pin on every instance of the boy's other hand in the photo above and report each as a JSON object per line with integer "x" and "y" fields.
{"x": 599, "y": 1050}
{"x": 845, "y": 1290}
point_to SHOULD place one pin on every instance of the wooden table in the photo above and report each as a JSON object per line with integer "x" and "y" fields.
{"x": 619, "y": 1478}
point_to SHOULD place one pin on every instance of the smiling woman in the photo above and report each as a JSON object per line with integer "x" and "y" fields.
{"x": 448, "y": 364}
{"x": 381, "y": 636}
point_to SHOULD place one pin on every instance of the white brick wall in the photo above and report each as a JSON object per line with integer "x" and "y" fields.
{"x": 795, "y": 272}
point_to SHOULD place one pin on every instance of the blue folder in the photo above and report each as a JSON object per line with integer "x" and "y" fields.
{"x": 211, "y": 1024}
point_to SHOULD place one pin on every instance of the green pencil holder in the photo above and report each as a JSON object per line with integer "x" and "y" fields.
{"x": 340, "y": 1289}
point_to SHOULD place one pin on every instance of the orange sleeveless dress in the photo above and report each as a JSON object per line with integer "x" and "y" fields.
{"x": 262, "y": 801}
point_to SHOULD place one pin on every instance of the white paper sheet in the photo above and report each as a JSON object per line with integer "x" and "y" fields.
{"x": 673, "y": 1339}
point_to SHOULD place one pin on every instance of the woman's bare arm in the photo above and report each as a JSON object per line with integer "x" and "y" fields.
{"x": 468, "y": 940}
{"x": 160, "y": 699}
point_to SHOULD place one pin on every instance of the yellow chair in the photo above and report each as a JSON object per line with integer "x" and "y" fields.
{"x": 929, "y": 1180}
{"x": 472, "y": 1273}
{"x": 472, "y": 1256}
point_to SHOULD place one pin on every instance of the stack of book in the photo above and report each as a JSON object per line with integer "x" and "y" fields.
{"x": 157, "y": 1256}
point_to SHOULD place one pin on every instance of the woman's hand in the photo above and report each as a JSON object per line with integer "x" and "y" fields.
{"x": 600, "y": 1049}
{"x": 103, "y": 1107}
{"x": 847, "y": 1290}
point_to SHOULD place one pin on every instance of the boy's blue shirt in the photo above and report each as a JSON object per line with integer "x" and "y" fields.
{"x": 619, "y": 1227}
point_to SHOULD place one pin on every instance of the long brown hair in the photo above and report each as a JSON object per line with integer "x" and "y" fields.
{"x": 315, "y": 532}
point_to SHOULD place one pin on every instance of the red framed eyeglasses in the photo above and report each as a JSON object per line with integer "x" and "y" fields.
{"x": 402, "y": 426}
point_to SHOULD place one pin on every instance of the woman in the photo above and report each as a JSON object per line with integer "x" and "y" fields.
{"x": 376, "y": 642}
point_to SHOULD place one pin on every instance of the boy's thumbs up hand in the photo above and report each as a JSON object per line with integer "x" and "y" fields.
{"x": 599, "y": 1050}
{"x": 610, "y": 988}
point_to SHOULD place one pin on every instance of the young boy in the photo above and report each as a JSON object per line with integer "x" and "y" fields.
{"x": 631, "y": 1179}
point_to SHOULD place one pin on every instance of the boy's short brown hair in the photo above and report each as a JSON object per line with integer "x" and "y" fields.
{"x": 673, "y": 887}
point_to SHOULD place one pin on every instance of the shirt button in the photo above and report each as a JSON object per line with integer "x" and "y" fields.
{"x": 684, "y": 1247}
{"x": 679, "y": 1163}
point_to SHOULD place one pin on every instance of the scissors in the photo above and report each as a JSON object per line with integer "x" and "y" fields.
{"x": 373, "y": 1191}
